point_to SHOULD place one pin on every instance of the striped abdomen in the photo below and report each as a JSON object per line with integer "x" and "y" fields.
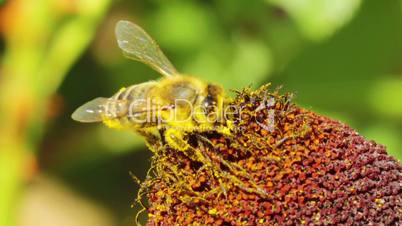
{"x": 130, "y": 103}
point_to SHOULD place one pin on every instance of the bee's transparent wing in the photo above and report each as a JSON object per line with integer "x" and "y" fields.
{"x": 138, "y": 45}
{"x": 91, "y": 111}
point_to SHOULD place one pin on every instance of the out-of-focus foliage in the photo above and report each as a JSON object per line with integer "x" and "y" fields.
{"x": 341, "y": 58}
{"x": 387, "y": 92}
{"x": 319, "y": 19}
{"x": 42, "y": 41}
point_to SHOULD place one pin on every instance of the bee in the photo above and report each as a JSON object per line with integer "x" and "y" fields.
{"x": 165, "y": 111}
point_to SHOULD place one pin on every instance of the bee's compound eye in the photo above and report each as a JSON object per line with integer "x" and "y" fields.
{"x": 91, "y": 111}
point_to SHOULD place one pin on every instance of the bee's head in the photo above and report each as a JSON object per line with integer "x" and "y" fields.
{"x": 213, "y": 97}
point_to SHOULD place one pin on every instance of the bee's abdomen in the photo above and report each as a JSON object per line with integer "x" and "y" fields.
{"x": 135, "y": 92}
{"x": 131, "y": 103}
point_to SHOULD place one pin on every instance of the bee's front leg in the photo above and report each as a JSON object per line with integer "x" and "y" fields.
{"x": 176, "y": 139}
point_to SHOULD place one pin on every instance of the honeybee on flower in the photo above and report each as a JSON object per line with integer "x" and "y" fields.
{"x": 163, "y": 110}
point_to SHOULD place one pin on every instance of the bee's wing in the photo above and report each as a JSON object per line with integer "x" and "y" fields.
{"x": 91, "y": 111}
{"x": 138, "y": 45}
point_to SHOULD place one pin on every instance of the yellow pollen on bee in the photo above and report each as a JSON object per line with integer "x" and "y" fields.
{"x": 113, "y": 123}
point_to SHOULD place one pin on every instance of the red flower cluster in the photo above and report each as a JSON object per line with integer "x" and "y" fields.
{"x": 308, "y": 170}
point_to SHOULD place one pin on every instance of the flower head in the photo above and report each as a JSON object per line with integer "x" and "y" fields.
{"x": 282, "y": 164}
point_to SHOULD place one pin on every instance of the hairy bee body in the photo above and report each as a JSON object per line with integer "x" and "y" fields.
{"x": 165, "y": 110}
{"x": 121, "y": 109}
{"x": 173, "y": 105}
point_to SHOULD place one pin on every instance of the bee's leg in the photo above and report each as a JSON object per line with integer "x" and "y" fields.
{"x": 236, "y": 170}
{"x": 162, "y": 138}
{"x": 152, "y": 138}
{"x": 175, "y": 139}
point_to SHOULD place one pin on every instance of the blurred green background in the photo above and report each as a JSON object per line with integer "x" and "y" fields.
{"x": 341, "y": 58}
